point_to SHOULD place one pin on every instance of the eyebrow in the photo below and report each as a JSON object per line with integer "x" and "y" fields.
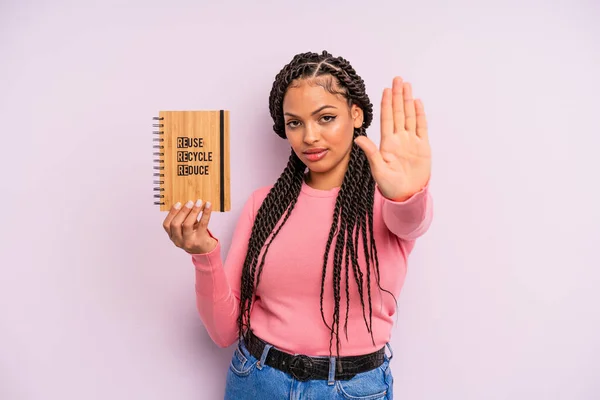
{"x": 314, "y": 112}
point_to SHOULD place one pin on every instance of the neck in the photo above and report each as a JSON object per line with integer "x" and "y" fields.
{"x": 329, "y": 179}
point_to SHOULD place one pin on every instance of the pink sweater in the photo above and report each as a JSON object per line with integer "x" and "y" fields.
{"x": 286, "y": 310}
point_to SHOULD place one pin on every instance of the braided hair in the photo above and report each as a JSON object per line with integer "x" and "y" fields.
{"x": 353, "y": 212}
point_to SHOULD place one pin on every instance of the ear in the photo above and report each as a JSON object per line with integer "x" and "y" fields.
{"x": 357, "y": 115}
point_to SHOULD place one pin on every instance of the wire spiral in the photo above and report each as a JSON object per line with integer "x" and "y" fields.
{"x": 159, "y": 160}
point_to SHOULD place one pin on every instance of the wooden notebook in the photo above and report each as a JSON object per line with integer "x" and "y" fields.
{"x": 192, "y": 158}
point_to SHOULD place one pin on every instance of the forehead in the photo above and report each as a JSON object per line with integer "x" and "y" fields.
{"x": 309, "y": 94}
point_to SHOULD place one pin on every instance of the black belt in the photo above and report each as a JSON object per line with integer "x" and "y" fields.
{"x": 304, "y": 368}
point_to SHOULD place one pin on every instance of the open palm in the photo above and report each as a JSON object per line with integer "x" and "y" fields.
{"x": 402, "y": 164}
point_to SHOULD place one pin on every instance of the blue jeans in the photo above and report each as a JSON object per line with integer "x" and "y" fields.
{"x": 249, "y": 379}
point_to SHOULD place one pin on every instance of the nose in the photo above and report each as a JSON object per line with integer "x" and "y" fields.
{"x": 311, "y": 135}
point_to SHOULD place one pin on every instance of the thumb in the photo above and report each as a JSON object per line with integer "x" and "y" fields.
{"x": 371, "y": 151}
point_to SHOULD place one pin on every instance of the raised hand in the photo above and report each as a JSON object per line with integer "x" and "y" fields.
{"x": 402, "y": 164}
{"x": 186, "y": 231}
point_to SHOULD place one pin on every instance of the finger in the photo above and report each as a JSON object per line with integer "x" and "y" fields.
{"x": 373, "y": 155}
{"x": 191, "y": 220}
{"x": 205, "y": 219}
{"x": 172, "y": 213}
{"x": 409, "y": 109}
{"x": 387, "y": 116}
{"x": 177, "y": 222}
{"x": 422, "y": 130}
{"x": 398, "y": 104}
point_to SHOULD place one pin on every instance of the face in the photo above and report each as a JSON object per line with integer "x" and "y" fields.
{"x": 319, "y": 126}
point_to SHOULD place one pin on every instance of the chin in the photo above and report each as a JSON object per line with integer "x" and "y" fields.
{"x": 318, "y": 169}
{"x": 321, "y": 166}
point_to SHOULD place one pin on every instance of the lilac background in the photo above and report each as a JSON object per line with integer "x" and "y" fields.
{"x": 501, "y": 299}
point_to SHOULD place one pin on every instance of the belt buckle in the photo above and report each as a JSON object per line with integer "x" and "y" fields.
{"x": 300, "y": 367}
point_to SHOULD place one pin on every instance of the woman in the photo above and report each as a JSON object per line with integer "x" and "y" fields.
{"x": 323, "y": 248}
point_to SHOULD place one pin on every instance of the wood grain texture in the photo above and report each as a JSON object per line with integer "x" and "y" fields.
{"x": 192, "y": 158}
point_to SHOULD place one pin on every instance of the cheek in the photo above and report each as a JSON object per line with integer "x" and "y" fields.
{"x": 295, "y": 142}
{"x": 339, "y": 135}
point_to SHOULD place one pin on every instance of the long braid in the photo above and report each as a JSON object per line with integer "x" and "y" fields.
{"x": 352, "y": 246}
{"x": 353, "y": 210}
{"x": 282, "y": 197}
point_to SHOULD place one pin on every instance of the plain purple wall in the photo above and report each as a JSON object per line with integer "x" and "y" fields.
{"x": 501, "y": 299}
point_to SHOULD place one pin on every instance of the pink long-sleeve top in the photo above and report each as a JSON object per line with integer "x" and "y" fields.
{"x": 286, "y": 308}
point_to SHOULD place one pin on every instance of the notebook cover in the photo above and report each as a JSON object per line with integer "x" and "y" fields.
{"x": 192, "y": 158}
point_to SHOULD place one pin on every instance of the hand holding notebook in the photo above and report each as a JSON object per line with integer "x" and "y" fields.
{"x": 186, "y": 231}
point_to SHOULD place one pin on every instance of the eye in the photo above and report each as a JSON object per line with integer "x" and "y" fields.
{"x": 291, "y": 124}
{"x": 328, "y": 118}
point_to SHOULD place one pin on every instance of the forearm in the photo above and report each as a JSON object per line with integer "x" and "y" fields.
{"x": 216, "y": 303}
{"x": 218, "y": 284}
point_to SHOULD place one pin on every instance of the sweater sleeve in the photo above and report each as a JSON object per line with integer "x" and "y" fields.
{"x": 218, "y": 285}
{"x": 410, "y": 218}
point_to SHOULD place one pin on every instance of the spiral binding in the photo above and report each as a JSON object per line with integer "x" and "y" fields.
{"x": 159, "y": 160}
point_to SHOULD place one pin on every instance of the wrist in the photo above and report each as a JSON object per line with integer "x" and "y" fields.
{"x": 204, "y": 248}
{"x": 211, "y": 244}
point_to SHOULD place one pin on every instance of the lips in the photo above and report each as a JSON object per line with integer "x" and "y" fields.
{"x": 315, "y": 154}
{"x": 315, "y": 150}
